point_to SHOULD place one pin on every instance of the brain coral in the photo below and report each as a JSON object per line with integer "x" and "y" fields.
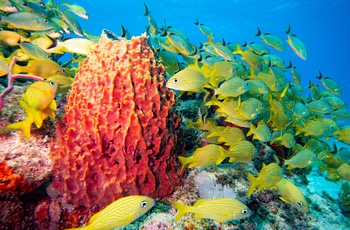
{"x": 119, "y": 135}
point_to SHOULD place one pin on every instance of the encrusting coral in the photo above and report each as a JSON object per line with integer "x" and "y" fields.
{"x": 119, "y": 135}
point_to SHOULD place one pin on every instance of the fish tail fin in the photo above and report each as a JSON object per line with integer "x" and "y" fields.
{"x": 196, "y": 22}
{"x": 288, "y": 30}
{"x": 319, "y": 76}
{"x": 299, "y": 129}
{"x": 258, "y": 33}
{"x": 17, "y": 69}
{"x": 238, "y": 50}
{"x": 251, "y": 129}
{"x": 146, "y": 13}
{"x": 253, "y": 183}
{"x": 181, "y": 210}
{"x": 22, "y": 125}
{"x": 222, "y": 156}
{"x": 184, "y": 161}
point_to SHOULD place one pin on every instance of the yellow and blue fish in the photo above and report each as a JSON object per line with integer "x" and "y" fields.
{"x": 218, "y": 209}
{"x": 119, "y": 213}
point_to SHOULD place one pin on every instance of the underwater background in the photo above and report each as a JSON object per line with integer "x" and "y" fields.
{"x": 323, "y": 26}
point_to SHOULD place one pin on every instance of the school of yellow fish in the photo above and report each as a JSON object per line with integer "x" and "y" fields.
{"x": 246, "y": 84}
{"x": 36, "y": 34}
{"x": 257, "y": 97}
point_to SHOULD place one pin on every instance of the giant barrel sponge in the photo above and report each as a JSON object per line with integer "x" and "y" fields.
{"x": 119, "y": 135}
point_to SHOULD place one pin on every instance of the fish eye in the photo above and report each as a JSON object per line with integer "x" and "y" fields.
{"x": 143, "y": 204}
{"x": 46, "y": 21}
{"x": 300, "y": 204}
{"x": 244, "y": 211}
{"x": 175, "y": 80}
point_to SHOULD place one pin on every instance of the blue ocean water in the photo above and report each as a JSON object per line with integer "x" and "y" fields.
{"x": 322, "y": 25}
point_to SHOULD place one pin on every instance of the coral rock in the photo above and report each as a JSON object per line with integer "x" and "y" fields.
{"x": 9, "y": 181}
{"x": 119, "y": 135}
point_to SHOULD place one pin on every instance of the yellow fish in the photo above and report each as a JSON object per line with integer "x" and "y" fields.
{"x": 301, "y": 160}
{"x": 257, "y": 86}
{"x": 34, "y": 52}
{"x": 7, "y": 6}
{"x": 287, "y": 139}
{"x": 77, "y": 10}
{"x": 319, "y": 127}
{"x": 233, "y": 87}
{"x": 268, "y": 177}
{"x": 227, "y": 135}
{"x": 38, "y": 102}
{"x": 296, "y": 75}
{"x": 343, "y": 134}
{"x": 206, "y": 31}
{"x": 218, "y": 209}
{"x": 188, "y": 79}
{"x": 26, "y": 21}
{"x": 202, "y": 123}
{"x": 251, "y": 109}
{"x": 222, "y": 51}
{"x": 296, "y": 44}
{"x": 10, "y": 38}
{"x": 181, "y": 45}
{"x": 119, "y": 213}
{"x": 330, "y": 84}
{"x": 319, "y": 106}
{"x": 251, "y": 58}
{"x": 335, "y": 102}
{"x": 4, "y": 68}
{"x": 73, "y": 23}
{"x": 344, "y": 171}
{"x": 169, "y": 60}
{"x": 203, "y": 156}
{"x": 300, "y": 110}
{"x": 257, "y": 48}
{"x": 41, "y": 68}
{"x": 261, "y": 132}
{"x": 64, "y": 83}
{"x": 342, "y": 114}
{"x": 292, "y": 195}
{"x": 272, "y": 40}
{"x": 220, "y": 70}
{"x": 243, "y": 151}
{"x": 153, "y": 27}
{"x": 72, "y": 45}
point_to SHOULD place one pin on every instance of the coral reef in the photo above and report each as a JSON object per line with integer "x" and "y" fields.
{"x": 119, "y": 135}
{"x": 24, "y": 166}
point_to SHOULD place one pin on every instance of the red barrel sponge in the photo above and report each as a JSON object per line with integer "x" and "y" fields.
{"x": 119, "y": 135}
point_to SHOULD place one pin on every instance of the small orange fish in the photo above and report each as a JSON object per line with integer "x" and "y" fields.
{"x": 38, "y": 103}
{"x": 41, "y": 68}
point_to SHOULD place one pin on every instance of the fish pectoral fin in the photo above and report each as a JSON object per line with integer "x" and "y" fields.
{"x": 37, "y": 117}
{"x": 53, "y": 105}
{"x": 282, "y": 198}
